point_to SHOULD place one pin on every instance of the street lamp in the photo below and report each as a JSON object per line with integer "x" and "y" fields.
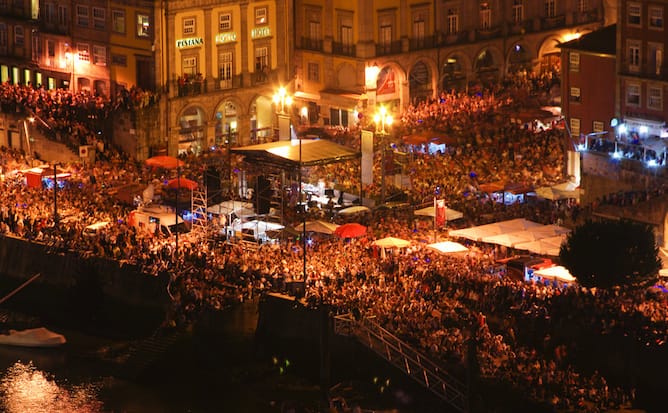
{"x": 382, "y": 119}
{"x": 283, "y": 101}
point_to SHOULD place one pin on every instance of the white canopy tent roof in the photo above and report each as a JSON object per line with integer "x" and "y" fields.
{"x": 448, "y": 247}
{"x": 544, "y": 246}
{"x": 511, "y": 239}
{"x": 478, "y": 233}
{"x": 557, "y": 273}
{"x": 391, "y": 242}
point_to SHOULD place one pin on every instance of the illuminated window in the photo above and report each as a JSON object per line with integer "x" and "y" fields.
{"x": 518, "y": 11}
{"x": 634, "y": 55}
{"x": 453, "y": 21}
{"x": 82, "y": 16}
{"x": 83, "y": 52}
{"x": 575, "y": 94}
{"x": 225, "y": 68}
{"x": 550, "y": 8}
{"x": 143, "y": 25}
{"x": 485, "y": 16}
{"x": 190, "y": 65}
{"x": 582, "y": 6}
{"x": 313, "y": 72}
{"x": 656, "y": 18}
{"x": 575, "y": 126}
{"x": 633, "y": 94}
{"x": 99, "y": 18}
{"x": 597, "y": 126}
{"x": 655, "y": 97}
{"x": 100, "y": 55}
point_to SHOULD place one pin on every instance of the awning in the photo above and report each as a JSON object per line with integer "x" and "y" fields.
{"x": 287, "y": 154}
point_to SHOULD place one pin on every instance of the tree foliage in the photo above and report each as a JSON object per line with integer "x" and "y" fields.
{"x": 611, "y": 253}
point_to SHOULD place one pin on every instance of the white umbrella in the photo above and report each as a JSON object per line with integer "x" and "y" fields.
{"x": 391, "y": 242}
{"x": 450, "y": 214}
{"x": 322, "y": 227}
{"x": 448, "y": 247}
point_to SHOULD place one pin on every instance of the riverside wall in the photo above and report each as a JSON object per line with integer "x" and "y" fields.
{"x": 89, "y": 293}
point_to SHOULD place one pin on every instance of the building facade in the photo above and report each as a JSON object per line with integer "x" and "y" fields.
{"x": 352, "y": 55}
{"x": 221, "y": 63}
{"x": 641, "y": 68}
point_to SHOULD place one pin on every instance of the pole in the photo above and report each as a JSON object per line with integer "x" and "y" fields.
{"x": 19, "y": 288}
{"x": 55, "y": 196}
{"x": 176, "y": 214}
{"x": 303, "y": 211}
{"x": 382, "y": 168}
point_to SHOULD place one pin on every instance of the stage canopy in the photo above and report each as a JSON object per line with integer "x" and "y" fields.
{"x": 286, "y": 154}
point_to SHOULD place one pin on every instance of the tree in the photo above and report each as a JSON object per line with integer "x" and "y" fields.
{"x": 613, "y": 253}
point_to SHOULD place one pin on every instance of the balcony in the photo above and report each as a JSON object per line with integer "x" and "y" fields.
{"x": 311, "y": 44}
{"x": 454, "y": 38}
{"x": 584, "y": 17}
{"x": 426, "y": 42}
{"x": 343, "y": 49}
{"x": 383, "y": 49}
{"x": 489, "y": 33}
{"x": 188, "y": 86}
{"x": 225, "y": 84}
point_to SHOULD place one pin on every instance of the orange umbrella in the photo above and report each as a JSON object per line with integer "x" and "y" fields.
{"x": 182, "y": 183}
{"x": 351, "y": 230}
{"x": 164, "y": 161}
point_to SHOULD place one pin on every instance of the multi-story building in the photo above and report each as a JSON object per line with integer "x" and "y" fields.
{"x": 642, "y": 71}
{"x": 354, "y": 54}
{"x": 221, "y": 63}
{"x": 19, "y": 42}
{"x": 588, "y": 80}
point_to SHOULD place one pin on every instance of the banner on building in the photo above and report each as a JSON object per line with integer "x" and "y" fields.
{"x": 385, "y": 82}
{"x": 367, "y": 157}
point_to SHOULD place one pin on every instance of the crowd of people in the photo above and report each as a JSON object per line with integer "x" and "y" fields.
{"x": 523, "y": 333}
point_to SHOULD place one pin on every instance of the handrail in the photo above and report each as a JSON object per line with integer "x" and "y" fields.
{"x": 405, "y": 357}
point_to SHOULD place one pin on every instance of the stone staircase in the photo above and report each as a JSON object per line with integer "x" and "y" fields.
{"x": 141, "y": 355}
{"x": 49, "y": 150}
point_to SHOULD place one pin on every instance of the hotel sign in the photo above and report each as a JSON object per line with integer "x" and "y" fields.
{"x": 189, "y": 42}
{"x": 260, "y": 32}
{"x": 227, "y": 37}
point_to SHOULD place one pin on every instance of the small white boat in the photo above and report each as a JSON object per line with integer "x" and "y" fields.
{"x": 32, "y": 337}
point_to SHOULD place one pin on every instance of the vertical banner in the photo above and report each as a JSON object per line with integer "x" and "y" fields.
{"x": 439, "y": 212}
{"x": 367, "y": 157}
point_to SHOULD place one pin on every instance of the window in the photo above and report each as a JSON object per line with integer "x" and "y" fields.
{"x": 582, "y": 6}
{"x": 119, "y": 60}
{"x": 597, "y": 126}
{"x": 50, "y": 51}
{"x": 574, "y": 62}
{"x": 518, "y": 11}
{"x": 655, "y": 97}
{"x": 83, "y": 52}
{"x": 99, "y": 18}
{"x": 655, "y": 57}
{"x": 453, "y": 21}
{"x": 485, "y": 16}
{"x": 550, "y": 8}
{"x": 634, "y": 14}
{"x": 100, "y": 55}
{"x": 314, "y": 30}
{"x": 575, "y": 94}
{"x": 575, "y": 126}
{"x": 190, "y": 65}
{"x": 49, "y": 13}
{"x": 143, "y": 25}
{"x": 224, "y": 22}
{"x": 633, "y": 94}
{"x": 118, "y": 21}
{"x": 347, "y": 35}
{"x": 386, "y": 36}
{"x": 82, "y": 16}
{"x": 261, "y": 16}
{"x": 261, "y": 59}
{"x": 63, "y": 13}
{"x": 225, "y": 68}
{"x": 634, "y": 55}
{"x": 36, "y": 47}
{"x": 656, "y": 18}
{"x": 188, "y": 26}
{"x": 419, "y": 28}
{"x": 19, "y": 36}
{"x": 314, "y": 72}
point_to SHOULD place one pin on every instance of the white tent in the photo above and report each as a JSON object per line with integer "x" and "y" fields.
{"x": 322, "y": 227}
{"x": 556, "y": 273}
{"x": 547, "y": 231}
{"x": 448, "y": 247}
{"x": 450, "y": 214}
{"x": 479, "y": 232}
{"x": 566, "y": 190}
{"x": 391, "y": 242}
{"x": 511, "y": 239}
{"x": 544, "y": 246}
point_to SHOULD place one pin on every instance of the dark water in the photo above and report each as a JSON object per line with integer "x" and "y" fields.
{"x": 229, "y": 371}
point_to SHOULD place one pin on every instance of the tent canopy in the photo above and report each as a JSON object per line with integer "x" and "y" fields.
{"x": 322, "y": 227}
{"x": 557, "y": 273}
{"x": 448, "y": 247}
{"x": 391, "y": 242}
{"x": 286, "y": 154}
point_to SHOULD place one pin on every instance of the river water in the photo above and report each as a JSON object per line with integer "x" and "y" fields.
{"x": 226, "y": 372}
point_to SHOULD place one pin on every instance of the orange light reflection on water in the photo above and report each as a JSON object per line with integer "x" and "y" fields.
{"x": 25, "y": 389}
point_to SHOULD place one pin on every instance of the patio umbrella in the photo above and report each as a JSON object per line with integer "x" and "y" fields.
{"x": 164, "y": 161}
{"x": 322, "y": 227}
{"x": 353, "y": 210}
{"x": 391, "y": 242}
{"x": 182, "y": 183}
{"x": 350, "y": 230}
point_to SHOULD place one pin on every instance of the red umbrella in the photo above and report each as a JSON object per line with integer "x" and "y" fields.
{"x": 182, "y": 183}
{"x": 164, "y": 161}
{"x": 351, "y": 230}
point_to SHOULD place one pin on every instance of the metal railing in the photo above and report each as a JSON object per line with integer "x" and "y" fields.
{"x": 416, "y": 365}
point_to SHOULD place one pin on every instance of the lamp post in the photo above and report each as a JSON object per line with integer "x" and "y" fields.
{"x": 303, "y": 213}
{"x": 70, "y": 57}
{"x": 55, "y": 196}
{"x": 283, "y": 101}
{"x": 382, "y": 119}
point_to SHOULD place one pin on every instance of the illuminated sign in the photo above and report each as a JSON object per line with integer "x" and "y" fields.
{"x": 189, "y": 42}
{"x": 259, "y": 32}
{"x": 226, "y": 37}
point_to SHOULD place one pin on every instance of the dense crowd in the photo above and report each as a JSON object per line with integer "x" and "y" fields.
{"x": 523, "y": 332}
